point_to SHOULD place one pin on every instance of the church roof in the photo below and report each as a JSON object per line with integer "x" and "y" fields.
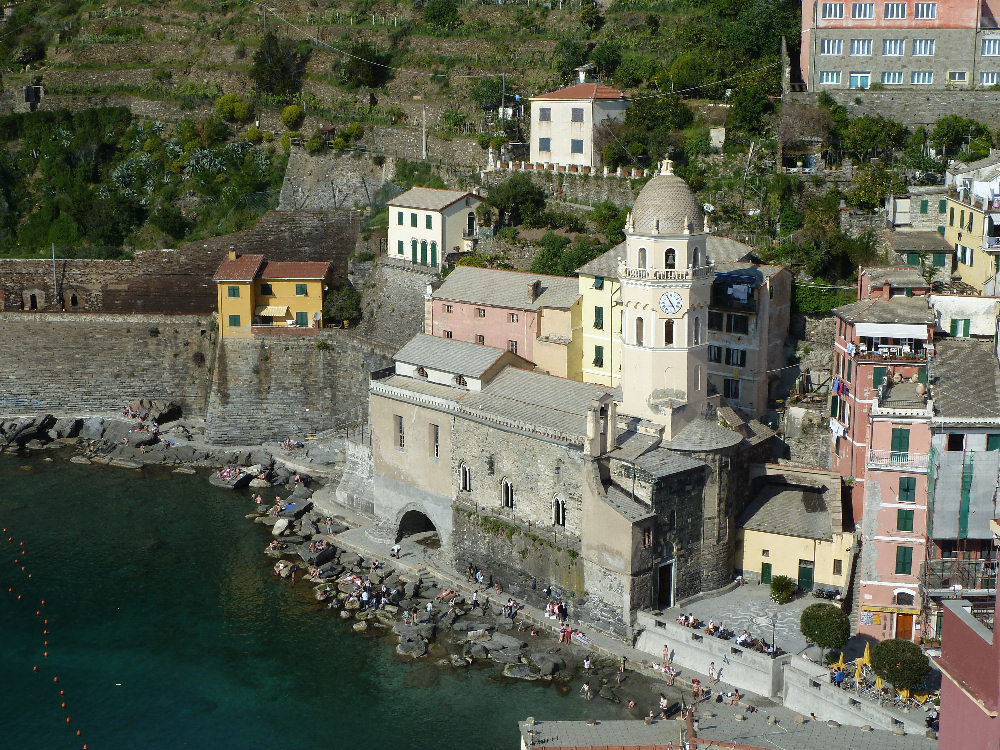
{"x": 666, "y": 205}
{"x": 703, "y": 435}
{"x": 449, "y": 355}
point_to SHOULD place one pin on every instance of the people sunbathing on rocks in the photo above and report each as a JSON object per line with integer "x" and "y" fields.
{"x": 447, "y": 594}
{"x": 228, "y": 472}
{"x": 287, "y": 444}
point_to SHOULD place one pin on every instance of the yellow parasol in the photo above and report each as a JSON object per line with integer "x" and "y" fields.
{"x": 904, "y": 693}
{"x": 878, "y": 683}
{"x": 857, "y": 671}
{"x": 867, "y": 658}
{"x": 840, "y": 663}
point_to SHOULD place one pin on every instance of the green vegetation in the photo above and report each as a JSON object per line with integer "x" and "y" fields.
{"x": 515, "y": 199}
{"x": 342, "y": 303}
{"x": 826, "y": 625}
{"x": 99, "y": 181}
{"x": 292, "y": 116}
{"x": 278, "y": 65}
{"x": 900, "y": 663}
{"x": 782, "y": 589}
{"x": 561, "y": 257}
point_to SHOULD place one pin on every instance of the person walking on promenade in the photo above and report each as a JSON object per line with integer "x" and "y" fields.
{"x": 711, "y": 673}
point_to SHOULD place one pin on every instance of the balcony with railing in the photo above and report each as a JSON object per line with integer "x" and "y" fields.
{"x": 887, "y": 349}
{"x": 896, "y": 460}
{"x": 903, "y": 399}
{"x": 954, "y": 577}
{"x": 662, "y": 274}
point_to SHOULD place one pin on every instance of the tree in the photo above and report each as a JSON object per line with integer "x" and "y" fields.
{"x": 364, "y": 67}
{"x": 872, "y": 186}
{"x": 653, "y": 113}
{"x": 609, "y": 220}
{"x": 441, "y": 13}
{"x": 900, "y": 663}
{"x": 487, "y": 93}
{"x": 782, "y": 589}
{"x": 515, "y": 198}
{"x": 342, "y": 303}
{"x": 868, "y": 136}
{"x": 591, "y": 18}
{"x": 292, "y": 116}
{"x": 278, "y": 64}
{"x": 826, "y": 625}
{"x": 952, "y": 132}
{"x": 749, "y": 106}
{"x": 568, "y": 55}
{"x": 606, "y": 56}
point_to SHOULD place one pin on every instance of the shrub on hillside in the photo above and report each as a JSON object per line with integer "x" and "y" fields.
{"x": 292, "y": 116}
{"x": 900, "y": 663}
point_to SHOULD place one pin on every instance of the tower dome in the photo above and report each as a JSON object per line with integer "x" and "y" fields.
{"x": 666, "y": 205}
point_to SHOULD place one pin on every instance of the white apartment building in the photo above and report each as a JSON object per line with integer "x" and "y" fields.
{"x": 564, "y": 123}
{"x": 426, "y": 224}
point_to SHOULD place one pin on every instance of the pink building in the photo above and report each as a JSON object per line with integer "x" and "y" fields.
{"x": 892, "y": 281}
{"x": 970, "y": 668}
{"x": 531, "y": 315}
{"x": 909, "y": 45}
{"x": 880, "y": 420}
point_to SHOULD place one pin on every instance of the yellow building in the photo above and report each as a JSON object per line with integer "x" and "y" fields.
{"x": 795, "y": 530}
{"x": 601, "y": 311}
{"x": 257, "y": 296}
{"x": 972, "y": 228}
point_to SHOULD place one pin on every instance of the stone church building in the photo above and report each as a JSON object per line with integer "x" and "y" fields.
{"x": 626, "y": 498}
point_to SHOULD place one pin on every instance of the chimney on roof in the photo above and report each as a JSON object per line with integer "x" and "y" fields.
{"x": 534, "y": 289}
{"x": 233, "y": 255}
{"x": 581, "y": 73}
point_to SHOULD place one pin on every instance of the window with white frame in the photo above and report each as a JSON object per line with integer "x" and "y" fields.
{"x": 731, "y": 388}
{"x": 989, "y": 78}
{"x": 506, "y": 493}
{"x": 829, "y": 76}
{"x": 895, "y": 11}
{"x": 958, "y": 76}
{"x": 892, "y": 77}
{"x": 576, "y": 146}
{"x": 925, "y": 11}
{"x": 577, "y": 114}
{"x": 831, "y": 46}
{"x": 991, "y": 47}
{"x": 923, "y": 47}
{"x": 832, "y": 10}
{"x": 863, "y": 10}
{"x": 861, "y": 47}
{"x": 893, "y": 47}
{"x": 544, "y": 145}
{"x": 545, "y": 114}
{"x": 922, "y": 77}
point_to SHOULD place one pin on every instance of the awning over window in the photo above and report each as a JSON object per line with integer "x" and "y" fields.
{"x": 891, "y": 330}
{"x": 272, "y": 311}
{"x": 995, "y": 218}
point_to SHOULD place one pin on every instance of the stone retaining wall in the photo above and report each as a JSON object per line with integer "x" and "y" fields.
{"x": 393, "y": 302}
{"x": 693, "y": 649}
{"x": 273, "y": 386}
{"x": 575, "y": 187}
{"x": 92, "y": 364}
{"x": 913, "y": 108}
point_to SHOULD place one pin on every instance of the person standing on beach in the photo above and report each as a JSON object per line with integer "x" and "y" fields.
{"x": 666, "y": 654}
{"x": 585, "y": 690}
{"x": 711, "y": 673}
{"x": 430, "y": 611}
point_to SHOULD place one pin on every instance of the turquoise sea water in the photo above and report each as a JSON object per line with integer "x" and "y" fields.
{"x": 169, "y": 631}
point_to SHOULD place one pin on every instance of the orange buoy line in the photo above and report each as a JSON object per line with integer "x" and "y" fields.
{"x": 21, "y": 553}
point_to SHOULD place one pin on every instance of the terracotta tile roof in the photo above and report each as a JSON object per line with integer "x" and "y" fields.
{"x": 584, "y": 91}
{"x": 243, "y": 268}
{"x": 295, "y": 270}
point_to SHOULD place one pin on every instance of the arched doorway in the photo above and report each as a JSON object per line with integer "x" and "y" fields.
{"x": 416, "y": 526}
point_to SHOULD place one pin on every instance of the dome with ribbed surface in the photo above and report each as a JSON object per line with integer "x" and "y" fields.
{"x": 664, "y": 205}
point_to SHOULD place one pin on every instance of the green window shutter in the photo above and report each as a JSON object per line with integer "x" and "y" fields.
{"x": 951, "y": 217}
{"x": 941, "y": 230}
{"x": 900, "y": 440}
{"x": 850, "y": 363}
{"x": 954, "y": 327}
{"x": 922, "y": 375}
{"x": 302, "y": 319}
{"x": 912, "y": 259}
{"x": 878, "y": 375}
{"x": 429, "y": 224}
{"x": 923, "y": 207}
{"x": 399, "y": 247}
{"x": 942, "y": 206}
{"x": 598, "y": 356}
{"x": 598, "y": 282}
{"x": 234, "y": 321}
{"x": 598, "y": 317}
{"x": 834, "y": 405}
{"x": 413, "y": 251}
{"x": 993, "y": 442}
{"x": 904, "y": 560}
{"x": 301, "y": 290}
{"x": 939, "y": 259}
{"x": 234, "y": 291}
{"x": 966, "y": 322}
{"x": 399, "y": 218}
{"x": 907, "y": 489}
{"x": 904, "y": 520}
{"x": 413, "y": 220}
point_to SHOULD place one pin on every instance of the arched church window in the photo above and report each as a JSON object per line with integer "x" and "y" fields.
{"x": 642, "y": 257}
{"x": 639, "y": 338}
{"x": 506, "y": 493}
{"x": 558, "y": 512}
{"x": 465, "y": 477}
{"x": 670, "y": 258}
{"x": 668, "y": 333}
{"x": 697, "y": 331}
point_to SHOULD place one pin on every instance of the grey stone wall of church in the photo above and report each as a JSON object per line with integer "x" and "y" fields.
{"x": 539, "y": 470}
{"x": 678, "y": 501}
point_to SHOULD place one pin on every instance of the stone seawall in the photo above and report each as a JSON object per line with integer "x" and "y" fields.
{"x": 93, "y": 364}
{"x": 275, "y": 386}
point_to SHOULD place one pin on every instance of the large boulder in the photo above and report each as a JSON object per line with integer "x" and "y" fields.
{"x": 521, "y": 671}
{"x": 506, "y": 656}
{"x": 414, "y": 649}
{"x": 280, "y": 526}
{"x": 68, "y": 427}
{"x": 295, "y": 509}
{"x": 499, "y": 641}
{"x": 423, "y": 630}
{"x": 547, "y": 664}
{"x": 301, "y": 493}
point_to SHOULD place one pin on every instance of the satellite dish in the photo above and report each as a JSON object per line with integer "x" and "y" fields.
{"x": 708, "y": 207}
{"x": 316, "y": 316}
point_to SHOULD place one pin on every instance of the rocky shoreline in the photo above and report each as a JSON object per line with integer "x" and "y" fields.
{"x": 454, "y": 634}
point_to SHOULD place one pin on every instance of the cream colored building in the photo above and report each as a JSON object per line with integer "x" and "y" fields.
{"x": 601, "y": 318}
{"x": 665, "y": 288}
{"x": 565, "y": 123}
{"x": 427, "y": 224}
{"x": 795, "y": 527}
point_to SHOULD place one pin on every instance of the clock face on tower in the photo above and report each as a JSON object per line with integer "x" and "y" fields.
{"x": 671, "y": 302}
